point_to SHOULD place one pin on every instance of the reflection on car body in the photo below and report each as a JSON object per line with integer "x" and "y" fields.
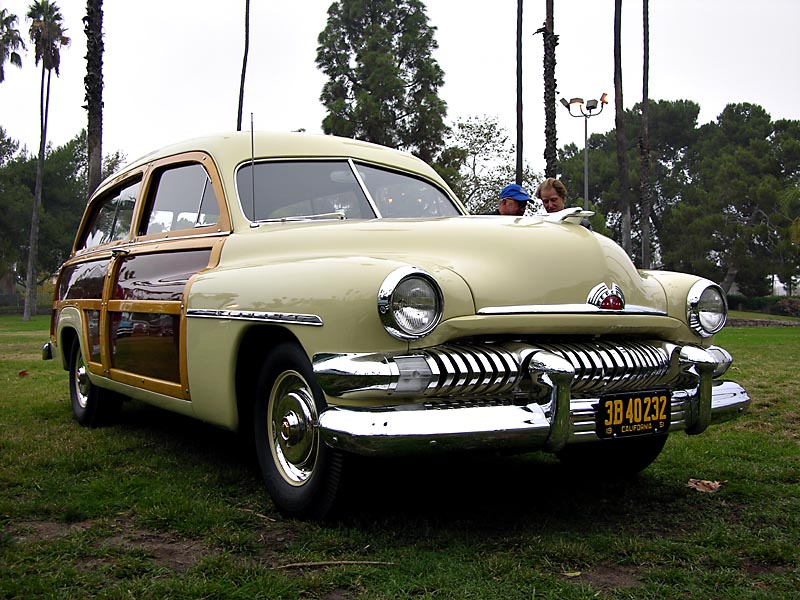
{"x": 332, "y": 297}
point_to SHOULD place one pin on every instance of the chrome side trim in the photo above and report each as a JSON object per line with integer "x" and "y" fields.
{"x": 567, "y": 309}
{"x": 256, "y": 316}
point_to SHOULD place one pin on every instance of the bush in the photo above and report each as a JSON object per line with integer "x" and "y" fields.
{"x": 788, "y": 306}
{"x": 763, "y": 304}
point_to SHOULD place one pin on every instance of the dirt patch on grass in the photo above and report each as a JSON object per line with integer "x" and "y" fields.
{"x": 611, "y": 577}
{"x": 165, "y": 550}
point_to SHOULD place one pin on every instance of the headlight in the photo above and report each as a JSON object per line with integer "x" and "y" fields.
{"x": 706, "y": 308}
{"x": 410, "y": 303}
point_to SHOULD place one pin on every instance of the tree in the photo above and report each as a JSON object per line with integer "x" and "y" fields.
{"x": 16, "y": 202}
{"x": 244, "y": 62}
{"x": 383, "y": 81}
{"x": 644, "y": 141}
{"x": 10, "y": 42}
{"x": 734, "y": 221}
{"x": 518, "y": 173}
{"x": 485, "y": 153}
{"x": 672, "y": 133}
{"x": 550, "y": 138}
{"x": 622, "y": 157}
{"x": 93, "y": 83}
{"x": 65, "y": 190}
{"x": 47, "y": 34}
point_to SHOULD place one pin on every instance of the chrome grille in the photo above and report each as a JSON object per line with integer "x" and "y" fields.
{"x": 491, "y": 369}
{"x": 603, "y": 367}
{"x": 470, "y": 369}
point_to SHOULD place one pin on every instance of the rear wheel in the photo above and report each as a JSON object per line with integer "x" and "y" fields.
{"x": 301, "y": 473}
{"x": 91, "y": 405}
{"x": 609, "y": 458}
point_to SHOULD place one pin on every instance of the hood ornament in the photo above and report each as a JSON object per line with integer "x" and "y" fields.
{"x": 607, "y": 298}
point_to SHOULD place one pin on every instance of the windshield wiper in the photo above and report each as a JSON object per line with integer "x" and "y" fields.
{"x": 318, "y": 217}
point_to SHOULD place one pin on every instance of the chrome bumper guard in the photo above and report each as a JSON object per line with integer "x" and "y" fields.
{"x": 472, "y": 394}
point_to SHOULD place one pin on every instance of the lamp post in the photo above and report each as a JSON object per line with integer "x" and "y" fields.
{"x": 585, "y": 111}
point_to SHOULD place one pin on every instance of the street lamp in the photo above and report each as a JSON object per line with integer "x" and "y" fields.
{"x": 585, "y": 111}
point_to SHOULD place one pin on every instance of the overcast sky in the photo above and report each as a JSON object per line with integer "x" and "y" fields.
{"x": 172, "y": 67}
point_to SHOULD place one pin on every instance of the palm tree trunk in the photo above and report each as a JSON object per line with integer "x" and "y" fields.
{"x": 93, "y": 82}
{"x": 622, "y": 156}
{"x": 33, "y": 247}
{"x": 550, "y": 138}
{"x": 519, "y": 92}
{"x": 644, "y": 142}
{"x": 244, "y": 62}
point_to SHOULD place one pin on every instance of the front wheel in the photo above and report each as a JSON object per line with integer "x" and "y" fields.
{"x": 614, "y": 458}
{"x": 301, "y": 473}
{"x": 91, "y": 405}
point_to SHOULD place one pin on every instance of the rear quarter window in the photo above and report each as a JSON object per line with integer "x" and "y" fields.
{"x": 112, "y": 221}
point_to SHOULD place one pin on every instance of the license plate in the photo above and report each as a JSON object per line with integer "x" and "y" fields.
{"x": 631, "y": 414}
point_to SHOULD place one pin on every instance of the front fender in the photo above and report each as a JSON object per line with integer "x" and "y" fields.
{"x": 340, "y": 292}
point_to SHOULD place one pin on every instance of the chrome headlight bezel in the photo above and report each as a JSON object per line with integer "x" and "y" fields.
{"x": 390, "y": 305}
{"x": 706, "y": 308}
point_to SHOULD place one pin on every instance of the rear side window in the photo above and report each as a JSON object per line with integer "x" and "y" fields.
{"x": 113, "y": 220}
{"x": 183, "y": 199}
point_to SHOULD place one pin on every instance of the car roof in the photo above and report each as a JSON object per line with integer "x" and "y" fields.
{"x": 231, "y": 148}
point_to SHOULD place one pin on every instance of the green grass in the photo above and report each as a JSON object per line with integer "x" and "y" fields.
{"x": 757, "y": 316}
{"x": 159, "y": 506}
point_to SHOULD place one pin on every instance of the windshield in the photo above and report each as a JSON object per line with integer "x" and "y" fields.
{"x": 330, "y": 188}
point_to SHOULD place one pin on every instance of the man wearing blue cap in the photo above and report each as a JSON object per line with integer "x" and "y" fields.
{"x": 513, "y": 201}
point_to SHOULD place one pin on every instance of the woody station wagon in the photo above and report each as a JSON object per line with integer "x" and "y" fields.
{"x": 330, "y": 297}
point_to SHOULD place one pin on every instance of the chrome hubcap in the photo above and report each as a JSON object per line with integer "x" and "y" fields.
{"x": 82, "y": 383}
{"x": 293, "y": 427}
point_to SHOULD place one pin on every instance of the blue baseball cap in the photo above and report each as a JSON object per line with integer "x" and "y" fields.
{"x": 515, "y": 192}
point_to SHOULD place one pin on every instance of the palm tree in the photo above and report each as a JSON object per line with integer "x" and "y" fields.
{"x": 550, "y": 140}
{"x": 622, "y": 156}
{"x": 93, "y": 83}
{"x": 10, "y": 42}
{"x": 47, "y": 34}
{"x": 519, "y": 92}
{"x": 644, "y": 142}
{"x": 244, "y": 62}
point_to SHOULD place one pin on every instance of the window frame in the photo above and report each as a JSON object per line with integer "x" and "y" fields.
{"x": 148, "y": 192}
{"x": 90, "y": 216}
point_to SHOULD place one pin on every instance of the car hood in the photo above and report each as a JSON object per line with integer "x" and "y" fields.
{"x": 505, "y": 261}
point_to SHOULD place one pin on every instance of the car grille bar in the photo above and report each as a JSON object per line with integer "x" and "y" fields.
{"x": 497, "y": 369}
{"x": 606, "y": 367}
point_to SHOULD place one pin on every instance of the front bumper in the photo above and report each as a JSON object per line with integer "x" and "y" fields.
{"x": 482, "y": 397}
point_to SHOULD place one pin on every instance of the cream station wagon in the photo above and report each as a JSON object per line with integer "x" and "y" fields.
{"x": 330, "y": 297}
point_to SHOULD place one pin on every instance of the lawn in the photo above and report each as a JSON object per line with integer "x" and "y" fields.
{"x": 159, "y": 506}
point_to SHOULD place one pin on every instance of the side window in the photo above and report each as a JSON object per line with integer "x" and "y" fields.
{"x": 113, "y": 221}
{"x": 183, "y": 198}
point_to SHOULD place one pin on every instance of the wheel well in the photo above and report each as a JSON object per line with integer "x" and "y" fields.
{"x": 68, "y": 338}
{"x": 253, "y": 350}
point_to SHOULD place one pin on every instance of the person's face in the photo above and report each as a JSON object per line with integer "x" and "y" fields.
{"x": 551, "y": 200}
{"x": 512, "y": 208}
